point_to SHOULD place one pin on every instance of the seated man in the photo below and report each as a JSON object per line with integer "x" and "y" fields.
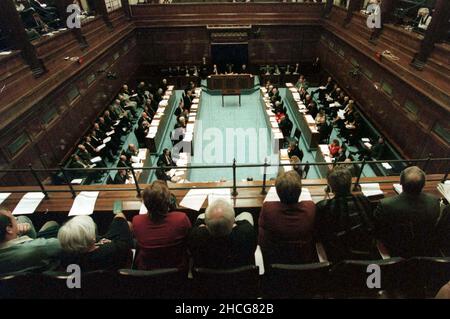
{"x": 294, "y": 150}
{"x": 285, "y": 126}
{"x": 219, "y": 240}
{"x": 406, "y": 223}
{"x": 82, "y": 246}
{"x": 286, "y": 227}
{"x": 165, "y": 159}
{"x": 121, "y": 177}
{"x": 22, "y": 249}
{"x": 161, "y": 234}
{"x": 344, "y": 224}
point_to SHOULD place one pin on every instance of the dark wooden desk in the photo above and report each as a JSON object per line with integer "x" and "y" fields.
{"x": 229, "y": 92}
{"x": 230, "y": 81}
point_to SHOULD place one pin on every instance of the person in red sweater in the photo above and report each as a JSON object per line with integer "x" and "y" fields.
{"x": 334, "y": 148}
{"x": 161, "y": 235}
{"x": 286, "y": 227}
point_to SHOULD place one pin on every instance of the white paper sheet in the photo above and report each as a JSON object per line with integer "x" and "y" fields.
{"x": 3, "y": 196}
{"x": 98, "y": 149}
{"x": 194, "y": 199}
{"x": 272, "y": 195}
{"x": 143, "y": 210}
{"x": 398, "y": 188}
{"x": 28, "y": 204}
{"x": 76, "y": 181}
{"x": 219, "y": 193}
{"x": 96, "y": 159}
{"x": 386, "y": 165}
{"x": 371, "y": 189}
{"x": 106, "y": 140}
{"x": 142, "y": 153}
{"x": 84, "y": 204}
{"x": 135, "y": 159}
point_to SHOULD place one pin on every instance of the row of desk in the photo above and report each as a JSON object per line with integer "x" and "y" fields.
{"x": 276, "y": 134}
{"x": 180, "y": 175}
{"x": 160, "y": 120}
{"x": 307, "y": 123}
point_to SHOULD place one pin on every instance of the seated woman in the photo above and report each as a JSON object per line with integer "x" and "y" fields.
{"x": 343, "y": 223}
{"x": 161, "y": 234}
{"x": 81, "y": 245}
{"x": 334, "y": 148}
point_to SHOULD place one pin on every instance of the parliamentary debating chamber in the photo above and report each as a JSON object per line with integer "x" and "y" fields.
{"x": 213, "y": 149}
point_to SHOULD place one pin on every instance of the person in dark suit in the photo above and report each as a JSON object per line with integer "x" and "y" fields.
{"x": 294, "y": 150}
{"x": 344, "y": 223}
{"x": 187, "y": 101}
{"x": 123, "y": 162}
{"x": 165, "y": 159}
{"x": 121, "y": 177}
{"x": 285, "y": 126}
{"x": 405, "y": 223}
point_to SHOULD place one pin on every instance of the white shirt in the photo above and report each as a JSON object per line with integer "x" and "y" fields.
{"x": 424, "y": 22}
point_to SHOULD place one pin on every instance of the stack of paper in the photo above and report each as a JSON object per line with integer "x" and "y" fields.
{"x": 219, "y": 193}
{"x": 84, "y": 204}
{"x": 444, "y": 189}
{"x": 372, "y": 189}
{"x": 28, "y": 203}
{"x": 194, "y": 199}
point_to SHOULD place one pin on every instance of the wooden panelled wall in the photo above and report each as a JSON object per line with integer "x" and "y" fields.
{"x": 43, "y": 118}
{"x": 408, "y": 119}
{"x": 187, "y": 45}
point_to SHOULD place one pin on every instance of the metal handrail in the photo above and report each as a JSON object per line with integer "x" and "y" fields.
{"x": 234, "y": 167}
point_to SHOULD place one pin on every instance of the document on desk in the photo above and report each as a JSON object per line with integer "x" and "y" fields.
{"x": 76, "y": 181}
{"x": 110, "y": 133}
{"x": 28, "y": 204}
{"x": 84, "y": 204}
{"x": 286, "y": 168}
{"x": 135, "y": 159}
{"x": 341, "y": 114}
{"x": 386, "y": 165}
{"x": 398, "y": 188}
{"x": 371, "y": 189}
{"x": 96, "y": 159}
{"x": 194, "y": 199}
{"x": 284, "y": 153}
{"x": 3, "y": 196}
{"x": 106, "y": 140}
{"x": 142, "y": 154}
{"x": 272, "y": 195}
{"x": 98, "y": 149}
{"x": 444, "y": 189}
{"x": 143, "y": 210}
{"x": 219, "y": 193}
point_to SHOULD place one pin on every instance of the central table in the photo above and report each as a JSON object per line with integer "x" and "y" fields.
{"x": 231, "y": 92}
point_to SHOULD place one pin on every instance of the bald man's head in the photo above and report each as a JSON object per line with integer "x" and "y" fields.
{"x": 412, "y": 180}
{"x": 219, "y": 218}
